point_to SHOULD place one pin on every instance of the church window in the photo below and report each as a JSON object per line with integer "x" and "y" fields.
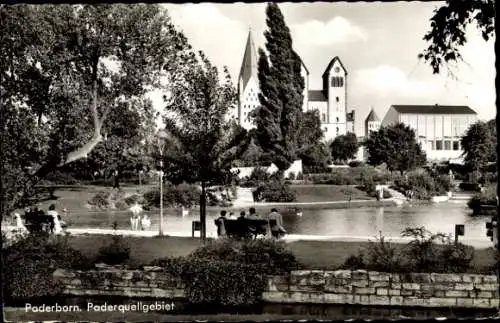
{"x": 337, "y": 81}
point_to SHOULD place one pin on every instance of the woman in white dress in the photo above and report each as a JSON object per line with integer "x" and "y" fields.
{"x": 57, "y": 229}
{"x": 145, "y": 222}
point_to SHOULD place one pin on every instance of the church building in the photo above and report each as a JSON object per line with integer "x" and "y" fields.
{"x": 330, "y": 101}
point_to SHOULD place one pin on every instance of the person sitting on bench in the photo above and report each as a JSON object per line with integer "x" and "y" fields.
{"x": 219, "y": 222}
{"x": 253, "y": 214}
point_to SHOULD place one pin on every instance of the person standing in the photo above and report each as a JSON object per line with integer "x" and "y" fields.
{"x": 277, "y": 229}
{"x": 145, "y": 222}
{"x": 219, "y": 222}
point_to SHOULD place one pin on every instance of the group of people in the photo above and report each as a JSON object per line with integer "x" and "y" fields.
{"x": 137, "y": 221}
{"x": 274, "y": 228}
{"x": 50, "y": 221}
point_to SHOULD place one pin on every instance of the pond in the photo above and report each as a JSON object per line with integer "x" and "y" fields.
{"x": 346, "y": 223}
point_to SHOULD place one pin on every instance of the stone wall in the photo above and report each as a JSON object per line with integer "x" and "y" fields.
{"x": 150, "y": 282}
{"x": 383, "y": 289}
{"x": 305, "y": 286}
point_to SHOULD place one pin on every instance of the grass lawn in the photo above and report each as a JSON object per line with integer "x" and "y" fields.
{"x": 313, "y": 254}
{"x": 326, "y": 193}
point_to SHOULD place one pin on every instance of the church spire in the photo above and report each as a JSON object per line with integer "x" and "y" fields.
{"x": 249, "y": 65}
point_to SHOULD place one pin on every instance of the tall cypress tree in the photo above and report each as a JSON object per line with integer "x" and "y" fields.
{"x": 281, "y": 85}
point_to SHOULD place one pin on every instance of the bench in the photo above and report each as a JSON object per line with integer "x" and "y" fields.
{"x": 245, "y": 228}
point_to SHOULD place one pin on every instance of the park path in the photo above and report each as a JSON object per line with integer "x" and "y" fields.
{"x": 474, "y": 242}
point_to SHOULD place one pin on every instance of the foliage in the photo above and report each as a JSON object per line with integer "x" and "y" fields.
{"x": 274, "y": 191}
{"x": 115, "y": 253}
{"x": 238, "y": 269}
{"x": 108, "y": 200}
{"x": 30, "y": 262}
{"x": 283, "y": 130}
{"x": 344, "y": 147}
{"x": 479, "y": 145}
{"x": 69, "y": 69}
{"x": 355, "y": 163}
{"x": 423, "y": 185}
{"x": 426, "y": 252}
{"x": 396, "y": 146}
{"x": 174, "y": 196}
{"x": 349, "y": 176}
{"x": 448, "y": 27}
{"x": 316, "y": 158}
{"x": 486, "y": 197}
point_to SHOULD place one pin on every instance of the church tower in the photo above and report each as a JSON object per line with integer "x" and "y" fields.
{"x": 335, "y": 88}
{"x": 248, "y": 85}
{"x": 372, "y": 123}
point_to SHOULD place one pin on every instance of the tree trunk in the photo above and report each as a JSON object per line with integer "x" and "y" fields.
{"x": 498, "y": 189}
{"x": 203, "y": 212}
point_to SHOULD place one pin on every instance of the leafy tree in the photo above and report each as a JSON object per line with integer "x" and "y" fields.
{"x": 281, "y": 86}
{"x": 344, "y": 147}
{"x": 201, "y": 145}
{"x": 68, "y": 67}
{"x": 479, "y": 145}
{"x": 396, "y": 146}
{"x": 448, "y": 26}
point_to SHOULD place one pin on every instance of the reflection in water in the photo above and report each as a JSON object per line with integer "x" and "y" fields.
{"x": 327, "y": 222}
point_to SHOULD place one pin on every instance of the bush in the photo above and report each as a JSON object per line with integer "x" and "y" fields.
{"x": 117, "y": 252}
{"x": 300, "y": 176}
{"x": 356, "y": 163}
{"x": 61, "y": 178}
{"x": 274, "y": 191}
{"x": 487, "y": 197}
{"x": 238, "y": 270}
{"x": 101, "y": 200}
{"x": 420, "y": 183}
{"x": 443, "y": 184}
{"x": 473, "y": 187}
{"x": 383, "y": 256}
{"x": 174, "y": 196}
{"x": 29, "y": 265}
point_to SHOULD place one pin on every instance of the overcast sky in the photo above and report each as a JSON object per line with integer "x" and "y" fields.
{"x": 378, "y": 44}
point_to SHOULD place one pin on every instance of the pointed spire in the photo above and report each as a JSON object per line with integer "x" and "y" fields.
{"x": 249, "y": 65}
{"x": 372, "y": 116}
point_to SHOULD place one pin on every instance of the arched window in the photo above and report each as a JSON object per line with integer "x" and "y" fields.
{"x": 337, "y": 81}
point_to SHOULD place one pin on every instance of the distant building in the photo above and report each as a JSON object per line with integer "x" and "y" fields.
{"x": 330, "y": 101}
{"x": 438, "y": 128}
{"x": 372, "y": 124}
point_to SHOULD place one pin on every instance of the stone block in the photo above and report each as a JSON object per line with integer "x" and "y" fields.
{"x": 471, "y": 278}
{"x": 438, "y": 278}
{"x": 464, "y": 302}
{"x": 379, "y": 300}
{"x": 442, "y": 301}
{"x": 343, "y": 274}
{"x": 490, "y": 279}
{"x": 481, "y": 303}
{"x": 439, "y": 293}
{"x": 154, "y": 285}
{"x": 152, "y": 268}
{"x": 377, "y": 276}
{"x": 275, "y": 297}
{"x": 277, "y": 284}
{"x": 127, "y": 275}
{"x": 424, "y": 293}
{"x": 395, "y": 278}
{"x": 456, "y": 293}
{"x": 396, "y": 300}
{"x": 394, "y": 292}
{"x": 396, "y": 286}
{"x": 486, "y": 287}
{"x": 364, "y": 290}
{"x": 306, "y": 288}
{"x": 317, "y": 298}
{"x": 407, "y": 292}
{"x": 339, "y": 289}
{"x": 444, "y": 286}
{"x": 299, "y": 297}
{"x": 481, "y": 294}
{"x": 338, "y": 298}
{"x": 316, "y": 278}
{"x": 76, "y": 282}
{"x": 140, "y": 283}
{"x": 414, "y": 301}
{"x": 359, "y": 283}
{"x": 382, "y": 292}
{"x": 464, "y": 286}
{"x": 377, "y": 284}
{"x": 419, "y": 278}
{"x": 494, "y": 302}
{"x": 411, "y": 286}
{"x": 359, "y": 274}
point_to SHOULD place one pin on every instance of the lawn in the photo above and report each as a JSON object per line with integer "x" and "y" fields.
{"x": 313, "y": 254}
{"x": 326, "y": 193}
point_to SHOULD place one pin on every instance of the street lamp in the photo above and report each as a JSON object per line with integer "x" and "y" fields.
{"x": 162, "y": 136}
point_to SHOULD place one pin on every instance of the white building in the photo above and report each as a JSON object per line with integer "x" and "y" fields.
{"x": 372, "y": 124}
{"x": 438, "y": 128}
{"x": 330, "y": 101}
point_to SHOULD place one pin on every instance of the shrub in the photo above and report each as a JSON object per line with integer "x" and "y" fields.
{"x": 355, "y": 262}
{"x": 421, "y": 184}
{"x": 174, "y": 196}
{"x": 383, "y": 256}
{"x": 443, "y": 184}
{"x": 274, "y": 191}
{"x": 30, "y": 262}
{"x": 291, "y": 176}
{"x": 300, "y": 176}
{"x": 259, "y": 174}
{"x": 238, "y": 270}
{"x": 101, "y": 200}
{"x": 464, "y": 186}
{"x": 456, "y": 258}
{"x": 117, "y": 252}
{"x": 487, "y": 197}
{"x": 356, "y": 163}
{"x": 134, "y": 198}
{"x": 61, "y": 178}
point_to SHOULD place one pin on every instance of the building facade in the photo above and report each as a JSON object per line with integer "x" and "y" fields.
{"x": 438, "y": 128}
{"x": 372, "y": 124}
{"x": 330, "y": 101}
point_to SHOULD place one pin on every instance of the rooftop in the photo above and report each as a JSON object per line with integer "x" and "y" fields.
{"x": 434, "y": 109}
{"x": 372, "y": 116}
{"x": 317, "y": 95}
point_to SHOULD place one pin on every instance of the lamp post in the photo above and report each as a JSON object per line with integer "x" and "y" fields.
{"x": 161, "y": 144}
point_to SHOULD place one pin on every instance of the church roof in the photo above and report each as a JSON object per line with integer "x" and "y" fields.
{"x": 372, "y": 116}
{"x": 302, "y": 62}
{"x": 434, "y": 109}
{"x": 330, "y": 65}
{"x": 249, "y": 65}
{"x": 317, "y": 95}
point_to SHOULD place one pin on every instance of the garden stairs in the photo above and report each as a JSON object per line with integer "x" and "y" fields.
{"x": 244, "y": 197}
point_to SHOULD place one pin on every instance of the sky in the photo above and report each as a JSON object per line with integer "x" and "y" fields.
{"x": 377, "y": 42}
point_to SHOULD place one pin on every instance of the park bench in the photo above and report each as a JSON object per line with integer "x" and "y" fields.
{"x": 246, "y": 228}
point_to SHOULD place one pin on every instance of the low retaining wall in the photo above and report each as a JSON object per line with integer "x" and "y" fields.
{"x": 305, "y": 286}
